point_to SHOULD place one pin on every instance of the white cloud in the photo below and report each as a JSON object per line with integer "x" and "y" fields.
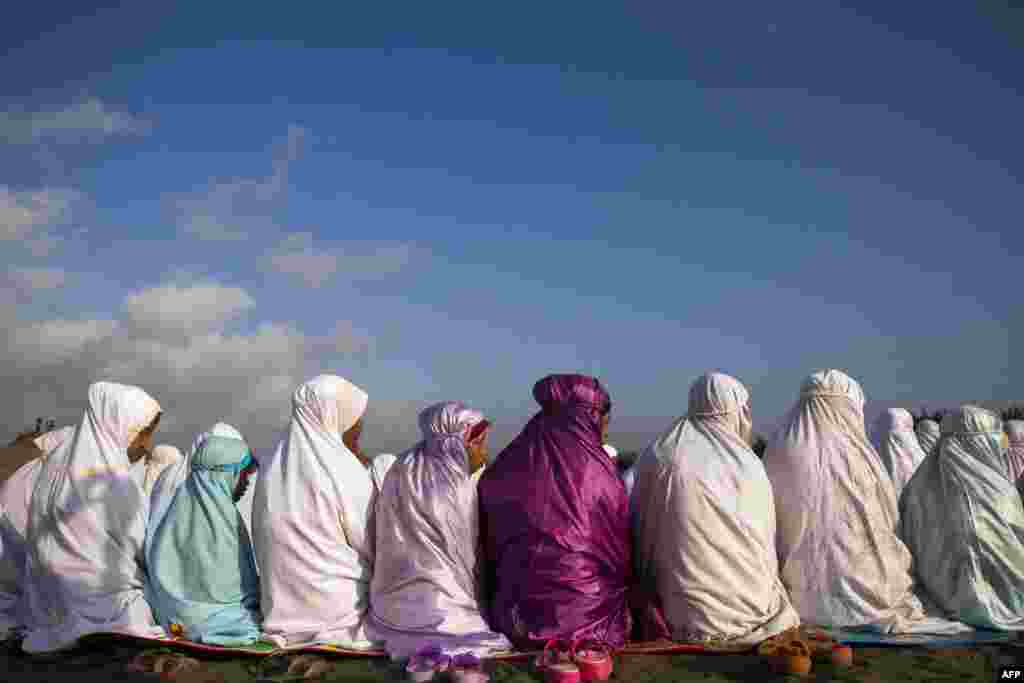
{"x": 55, "y": 341}
{"x": 29, "y": 216}
{"x": 85, "y": 121}
{"x": 230, "y": 210}
{"x": 297, "y": 256}
{"x": 344, "y": 338}
{"x": 315, "y": 268}
{"x": 173, "y": 308}
{"x": 212, "y": 374}
{"x": 270, "y": 397}
{"x": 30, "y": 279}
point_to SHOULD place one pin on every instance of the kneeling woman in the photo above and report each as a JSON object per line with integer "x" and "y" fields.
{"x": 312, "y": 522}
{"x": 87, "y": 526}
{"x": 705, "y": 523}
{"x": 202, "y": 573}
{"x": 425, "y": 587}
{"x": 554, "y": 519}
{"x": 839, "y": 553}
{"x": 962, "y": 519}
{"x": 15, "y": 497}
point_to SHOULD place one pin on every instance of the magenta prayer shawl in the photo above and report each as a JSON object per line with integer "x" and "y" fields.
{"x": 554, "y": 519}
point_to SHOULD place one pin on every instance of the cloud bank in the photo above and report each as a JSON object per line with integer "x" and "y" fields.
{"x": 177, "y": 343}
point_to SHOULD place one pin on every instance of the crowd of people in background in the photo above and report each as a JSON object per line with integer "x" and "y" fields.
{"x": 913, "y": 528}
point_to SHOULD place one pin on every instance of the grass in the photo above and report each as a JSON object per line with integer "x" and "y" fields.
{"x": 906, "y": 665}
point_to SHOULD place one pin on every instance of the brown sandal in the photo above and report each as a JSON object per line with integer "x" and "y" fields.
{"x": 824, "y": 648}
{"x": 787, "y": 657}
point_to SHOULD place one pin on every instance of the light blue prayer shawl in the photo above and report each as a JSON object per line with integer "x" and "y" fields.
{"x": 202, "y": 572}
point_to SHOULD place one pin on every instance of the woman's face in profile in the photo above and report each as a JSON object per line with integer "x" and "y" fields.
{"x": 351, "y": 437}
{"x": 478, "y": 452}
{"x": 142, "y": 445}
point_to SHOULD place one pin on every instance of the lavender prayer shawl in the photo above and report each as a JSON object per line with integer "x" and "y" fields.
{"x": 425, "y": 586}
{"x": 554, "y": 519}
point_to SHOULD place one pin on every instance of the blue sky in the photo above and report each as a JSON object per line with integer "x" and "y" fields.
{"x": 481, "y": 197}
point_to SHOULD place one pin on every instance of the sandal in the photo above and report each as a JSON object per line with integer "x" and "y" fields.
{"x": 842, "y": 655}
{"x": 557, "y": 664}
{"x": 826, "y": 648}
{"x": 426, "y": 663}
{"x": 167, "y": 665}
{"x": 595, "y": 662}
{"x": 467, "y": 668}
{"x": 548, "y": 656}
{"x": 791, "y": 657}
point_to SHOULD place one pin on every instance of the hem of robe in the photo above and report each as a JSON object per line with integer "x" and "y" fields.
{"x": 898, "y": 624}
{"x": 981, "y": 617}
{"x": 916, "y": 614}
{"x": 347, "y": 637}
{"x": 784, "y": 620}
{"x": 239, "y": 632}
{"x": 47, "y": 640}
{"x": 222, "y": 639}
{"x": 401, "y": 644}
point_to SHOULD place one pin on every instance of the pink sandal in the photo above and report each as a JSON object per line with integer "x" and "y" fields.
{"x": 594, "y": 662}
{"x": 557, "y": 664}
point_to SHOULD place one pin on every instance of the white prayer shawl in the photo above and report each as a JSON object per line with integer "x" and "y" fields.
{"x": 313, "y": 523}
{"x": 1015, "y": 452}
{"x": 49, "y": 441}
{"x": 147, "y": 470}
{"x": 704, "y": 524}
{"x": 15, "y": 495}
{"x": 841, "y": 559}
{"x": 928, "y": 434}
{"x": 379, "y": 468}
{"x": 426, "y": 585}
{"x": 629, "y": 480}
{"x": 16, "y": 492}
{"x": 162, "y": 456}
{"x": 962, "y": 518}
{"x": 137, "y": 471}
{"x": 894, "y": 438}
{"x": 87, "y": 528}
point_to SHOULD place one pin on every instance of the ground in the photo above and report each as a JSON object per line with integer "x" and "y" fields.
{"x": 904, "y": 665}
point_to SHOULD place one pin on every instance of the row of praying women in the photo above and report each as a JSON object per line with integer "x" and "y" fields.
{"x": 432, "y": 550}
